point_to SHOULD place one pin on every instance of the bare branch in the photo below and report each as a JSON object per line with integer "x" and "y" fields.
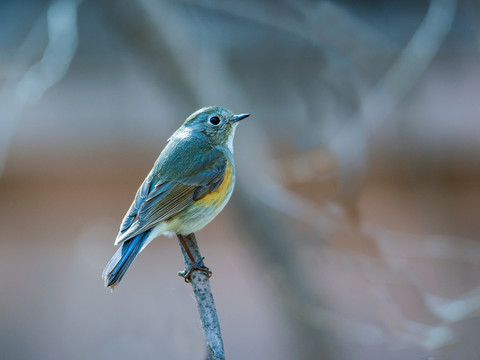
{"x": 349, "y": 145}
{"x": 140, "y": 25}
{"x": 205, "y": 302}
{"x": 323, "y": 24}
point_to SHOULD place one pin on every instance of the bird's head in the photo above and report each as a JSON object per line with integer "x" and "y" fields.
{"x": 218, "y": 124}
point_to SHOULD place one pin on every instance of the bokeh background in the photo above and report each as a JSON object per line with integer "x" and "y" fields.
{"x": 353, "y": 232}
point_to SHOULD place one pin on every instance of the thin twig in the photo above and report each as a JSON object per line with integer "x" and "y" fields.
{"x": 205, "y": 302}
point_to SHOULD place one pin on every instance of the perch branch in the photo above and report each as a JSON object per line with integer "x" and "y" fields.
{"x": 205, "y": 302}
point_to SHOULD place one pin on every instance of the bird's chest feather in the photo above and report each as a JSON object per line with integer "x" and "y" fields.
{"x": 207, "y": 208}
{"x": 222, "y": 193}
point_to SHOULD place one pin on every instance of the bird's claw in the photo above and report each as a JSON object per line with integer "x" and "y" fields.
{"x": 198, "y": 266}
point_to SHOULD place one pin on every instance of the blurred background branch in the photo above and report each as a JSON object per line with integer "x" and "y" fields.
{"x": 354, "y": 225}
{"x": 25, "y": 84}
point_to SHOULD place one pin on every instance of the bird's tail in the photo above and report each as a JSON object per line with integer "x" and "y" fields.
{"x": 121, "y": 261}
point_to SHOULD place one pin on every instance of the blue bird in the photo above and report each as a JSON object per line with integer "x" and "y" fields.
{"x": 189, "y": 184}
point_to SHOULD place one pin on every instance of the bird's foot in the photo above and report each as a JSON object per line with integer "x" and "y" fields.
{"x": 198, "y": 266}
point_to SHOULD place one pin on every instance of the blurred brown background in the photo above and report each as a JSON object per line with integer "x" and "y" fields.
{"x": 354, "y": 229}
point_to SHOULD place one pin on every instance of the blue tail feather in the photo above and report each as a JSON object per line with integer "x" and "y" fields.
{"x": 123, "y": 258}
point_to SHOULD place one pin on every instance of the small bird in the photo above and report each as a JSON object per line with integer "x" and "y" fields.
{"x": 189, "y": 184}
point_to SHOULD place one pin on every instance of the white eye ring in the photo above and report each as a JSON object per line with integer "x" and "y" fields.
{"x": 214, "y": 120}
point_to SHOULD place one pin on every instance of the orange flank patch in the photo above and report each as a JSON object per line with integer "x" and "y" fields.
{"x": 216, "y": 197}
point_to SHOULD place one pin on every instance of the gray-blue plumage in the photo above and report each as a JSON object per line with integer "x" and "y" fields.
{"x": 192, "y": 165}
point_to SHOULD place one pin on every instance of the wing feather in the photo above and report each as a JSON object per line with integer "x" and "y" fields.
{"x": 168, "y": 197}
{"x": 140, "y": 197}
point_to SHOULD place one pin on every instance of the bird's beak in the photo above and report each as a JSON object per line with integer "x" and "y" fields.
{"x": 236, "y": 118}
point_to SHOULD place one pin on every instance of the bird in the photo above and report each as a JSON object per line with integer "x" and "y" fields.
{"x": 189, "y": 184}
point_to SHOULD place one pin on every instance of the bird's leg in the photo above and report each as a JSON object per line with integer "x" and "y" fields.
{"x": 180, "y": 237}
{"x": 196, "y": 265}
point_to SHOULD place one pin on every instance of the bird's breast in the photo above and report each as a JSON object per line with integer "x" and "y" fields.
{"x": 222, "y": 193}
{"x": 202, "y": 211}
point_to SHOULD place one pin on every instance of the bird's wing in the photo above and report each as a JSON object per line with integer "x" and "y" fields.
{"x": 140, "y": 197}
{"x": 160, "y": 198}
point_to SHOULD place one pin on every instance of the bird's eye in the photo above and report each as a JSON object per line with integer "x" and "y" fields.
{"x": 214, "y": 120}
